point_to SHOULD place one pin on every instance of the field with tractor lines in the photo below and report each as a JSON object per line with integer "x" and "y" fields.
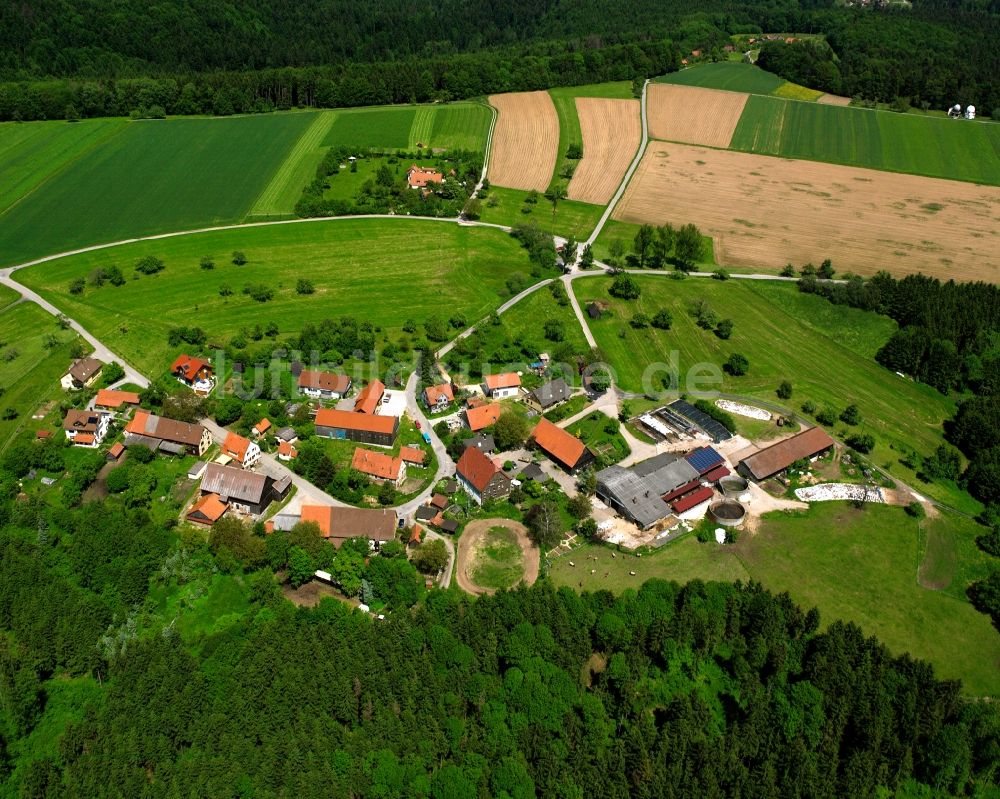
{"x": 525, "y": 140}
{"x": 612, "y": 131}
{"x": 765, "y": 211}
{"x": 693, "y": 115}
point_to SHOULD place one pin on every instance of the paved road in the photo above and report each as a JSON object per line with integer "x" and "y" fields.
{"x": 628, "y": 174}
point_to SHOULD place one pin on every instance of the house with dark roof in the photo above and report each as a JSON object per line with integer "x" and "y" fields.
{"x": 195, "y": 373}
{"x": 378, "y": 466}
{"x": 483, "y": 416}
{"x": 439, "y": 397}
{"x": 370, "y": 397}
{"x": 505, "y": 384}
{"x": 638, "y": 492}
{"x": 776, "y": 458}
{"x": 82, "y": 373}
{"x": 243, "y": 451}
{"x": 549, "y": 395}
{"x": 323, "y": 385}
{"x": 167, "y": 435}
{"x": 564, "y": 449}
{"x": 482, "y": 441}
{"x": 287, "y": 434}
{"x": 480, "y": 477}
{"x": 339, "y": 524}
{"x": 597, "y": 308}
{"x": 86, "y": 428}
{"x": 361, "y": 427}
{"x": 242, "y": 490}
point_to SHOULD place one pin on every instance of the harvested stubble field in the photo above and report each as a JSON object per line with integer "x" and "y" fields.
{"x": 612, "y": 130}
{"x": 764, "y": 211}
{"x": 833, "y": 99}
{"x": 693, "y": 115}
{"x": 525, "y": 140}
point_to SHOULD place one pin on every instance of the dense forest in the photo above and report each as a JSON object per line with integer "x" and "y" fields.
{"x": 705, "y": 690}
{"x": 68, "y": 58}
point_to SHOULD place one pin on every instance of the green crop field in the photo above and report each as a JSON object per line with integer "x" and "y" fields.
{"x": 372, "y": 128}
{"x": 462, "y": 126}
{"x": 824, "y": 352}
{"x": 855, "y": 565}
{"x": 29, "y": 368}
{"x": 153, "y": 177}
{"x": 385, "y": 271}
{"x": 571, "y": 218}
{"x": 730, "y": 75}
{"x": 612, "y": 90}
{"x": 297, "y": 171}
{"x": 422, "y": 127}
{"x": 30, "y": 153}
{"x": 912, "y": 143}
{"x": 569, "y": 134}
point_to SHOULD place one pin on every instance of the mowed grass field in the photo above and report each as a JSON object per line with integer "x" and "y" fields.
{"x": 525, "y": 323}
{"x": 33, "y": 375}
{"x": 153, "y": 177}
{"x": 30, "y": 153}
{"x": 919, "y": 145}
{"x": 386, "y": 271}
{"x": 861, "y": 566}
{"x": 824, "y": 351}
{"x": 460, "y": 126}
{"x": 571, "y": 218}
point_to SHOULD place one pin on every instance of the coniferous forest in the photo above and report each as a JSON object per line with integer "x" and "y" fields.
{"x": 179, "y": 57}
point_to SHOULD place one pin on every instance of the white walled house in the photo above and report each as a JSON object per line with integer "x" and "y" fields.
{"x": 500, "y": 386}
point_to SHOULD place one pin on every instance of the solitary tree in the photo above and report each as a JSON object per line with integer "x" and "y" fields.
{"x": 737, "y": 365}
{"x": 642, "y": 242}
{"x": 784, "y": 390}
{"x": 688, "y": 246}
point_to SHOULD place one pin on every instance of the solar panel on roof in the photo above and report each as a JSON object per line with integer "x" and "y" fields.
{"x": 716, "y": 431}
{"x": 704, "y": 459}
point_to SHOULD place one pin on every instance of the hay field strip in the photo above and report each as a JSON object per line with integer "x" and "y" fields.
{"x": 461, "y": 126}
{"x": 693, "y": 115}
{"x": 525, "y": 140}
{"x": 33, "y": 152}
{"x": 352, "y": 262}
{"x": 910, "y": 143}
{"x": 612, "y": 131}
{"x": 372, "y": 128}
{"x": 729, "y": 75}
{"x": 296, "y": 172}
{"x": 154, "y": 177}
{"x": 421, "y": 127}
{"x": 772, "y": 211}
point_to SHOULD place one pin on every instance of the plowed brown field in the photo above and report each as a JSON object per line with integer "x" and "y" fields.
{"x": 525, "y": 140}
{"x": 765, "y": 211}
{"x": 612, "y": 130}
{"x": 693, "y": 115}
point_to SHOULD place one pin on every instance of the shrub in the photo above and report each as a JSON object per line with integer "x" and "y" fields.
{"x": 625, "y": 287}
{"x": 916, "y": 510}
{"x": 555, "y": 330}
{"x": 990, "y": 542}
{"x": 860, "y": 442}
{"x": 77, "y": 286}
{"x": 724, "y": 329}
{"x": 260, "y": 292}
{"x": 140, "y": 453}
{"x": 303, "y": 286}
{"x": 720, "y": 274}
{"x": 784, "y": 390}
{"x": 574, "y": 151}
{"x": 9, "y": 414}
{"x": 737, "y": 365}
{"x": 639, "y": 321}
{"x": 809, "y": 407}
{"x": 662, "y": 319}
{"x": 239, "y": 258}
{"x": 149, "y": 265}
{"x": 788, "y": 271}
{"x": 827, "y": 416}
{"x": 851, "y": 415}
{"x": 207, "y": 262}
{"x": 225, "y": 290}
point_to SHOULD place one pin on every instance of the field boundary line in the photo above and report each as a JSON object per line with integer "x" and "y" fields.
{"x": 489, "y": 148}
{"x": 628, "y": 173}
{"x": 311, "y": 138}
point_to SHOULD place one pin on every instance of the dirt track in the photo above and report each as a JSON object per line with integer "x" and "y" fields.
{"x": 473, "y": 534}
{"x": 612, "y": 130}
{"x": 693, "y": 115}
{"x": 767, "y": 211}
{"x": 525, "y": 140}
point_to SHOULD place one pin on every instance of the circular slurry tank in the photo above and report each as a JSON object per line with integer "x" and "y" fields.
{"x": 733, "y": 486}
{"x": 727, "y": 512}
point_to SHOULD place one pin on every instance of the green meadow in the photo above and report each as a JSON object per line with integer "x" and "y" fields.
{"x": 462, "y": 126}
{"x": 863, "y": 566}
{"x": 34, "y": 354}
{"x": 525, "y": 323}
{"x": 32, "y": 152}
{"x": 912, "y": 143}
{"x": 153, "y": 177}
{"x": 824, "y": 351}
{"x": 569, "y": 218}
{"x": 387, "y": 271}
{"x": 733, "y": 76}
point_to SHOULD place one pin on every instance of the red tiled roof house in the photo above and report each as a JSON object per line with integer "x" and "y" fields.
{"x": 379, "y": 467}
{"x": 242, "y": 450}
{"x": 480, "y": 477}
{"x": 505, "y": 384}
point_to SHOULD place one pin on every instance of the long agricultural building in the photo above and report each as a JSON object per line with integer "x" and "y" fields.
{"x": 778, "y": 457}
{"x": 362, "y": 427}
